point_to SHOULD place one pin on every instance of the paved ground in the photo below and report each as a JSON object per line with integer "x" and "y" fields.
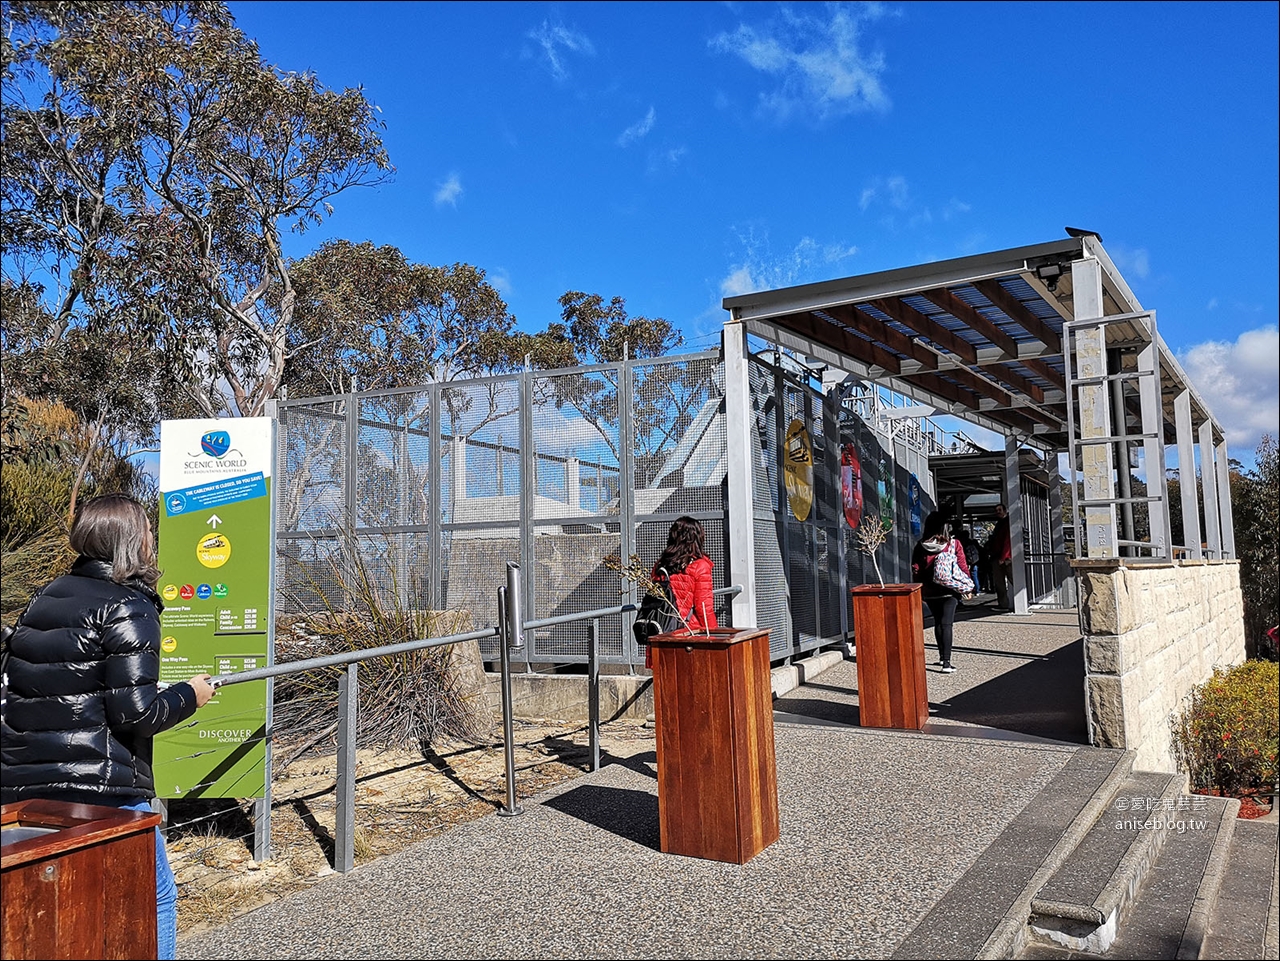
{"x": 1018, "y": 673}
{"x": 877, "y": 827}
{"x": 894, "y": 844}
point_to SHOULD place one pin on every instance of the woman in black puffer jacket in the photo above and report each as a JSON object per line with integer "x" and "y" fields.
{"x": 84, "y": 665}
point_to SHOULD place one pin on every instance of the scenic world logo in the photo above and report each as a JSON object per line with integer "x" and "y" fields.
{"x": 216, "y": 443}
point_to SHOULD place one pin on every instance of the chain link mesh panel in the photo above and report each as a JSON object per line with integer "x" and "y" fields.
{"x": 475, "y": 567}
{"x": 678, "y": 437}
{"x": 310, "y": 488}
{"x": 570, "y": 576}
{"x": 393, "y": 460}
{"x": 576, "y": 443}
{"x": 480, "y": 441}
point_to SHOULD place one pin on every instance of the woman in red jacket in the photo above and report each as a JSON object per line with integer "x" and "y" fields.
{"x": 689, "y": 569}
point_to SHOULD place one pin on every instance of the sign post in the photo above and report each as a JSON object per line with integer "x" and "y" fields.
{"x": 217, "y": 534}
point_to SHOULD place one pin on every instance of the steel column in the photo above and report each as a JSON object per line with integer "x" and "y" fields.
{"x": 344, "y": 851}
{"x": 1224, "y": 501}
{"x": 1095, "y": 409}
{"x": 1017, "y": 518}
{"x": 1153, "y": 444}
{"x": 1187, "y": 476}
{"x": 1209, "y": 485}
{"x": 740, "y": 448}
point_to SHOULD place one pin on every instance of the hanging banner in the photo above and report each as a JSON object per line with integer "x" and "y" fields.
{"x": 916, "y": 505}
{"x": 884, "y": 487}
{"x": 851, "y": 485}
{"x": 797, "y": 469}
{"x": 217, "y": 536}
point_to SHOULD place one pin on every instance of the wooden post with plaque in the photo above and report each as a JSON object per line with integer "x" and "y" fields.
{"x": 713, "y": 707}
{"x": 77, "y": 881}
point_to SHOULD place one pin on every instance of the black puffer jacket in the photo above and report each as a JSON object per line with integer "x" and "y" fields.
{"x": 83, "y": 702}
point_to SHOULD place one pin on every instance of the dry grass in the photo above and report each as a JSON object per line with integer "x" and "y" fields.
{"x": 401, "y": 798}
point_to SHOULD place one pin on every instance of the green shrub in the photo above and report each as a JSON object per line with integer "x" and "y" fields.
{"x": 1229, "y": 735}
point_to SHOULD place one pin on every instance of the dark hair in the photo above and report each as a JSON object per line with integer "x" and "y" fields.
{"x": 115, "y": 528}
{"x": 685, "y": 542}
{"x": 937, "y": 524}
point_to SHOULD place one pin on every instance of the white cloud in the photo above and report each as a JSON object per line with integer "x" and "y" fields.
{"x": 816, "y": 58}
{"x": 738, "y": 282}
{"x": 666, "y": 159}
{"x": 638, "y": 130}
{"x": 759, "y": 268}
{"x": 1240, "y": 382}
{"x": 449, "y": 191}
{"x": 500, "y": 280}
{"x": 557, "y": 40}
{"x": 1212, "y": 305}
{"x": 1132, "y": 261}
{"x": 899, "y": 206}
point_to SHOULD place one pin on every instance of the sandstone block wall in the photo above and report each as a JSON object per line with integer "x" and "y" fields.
{"x": 1152, "y": 631}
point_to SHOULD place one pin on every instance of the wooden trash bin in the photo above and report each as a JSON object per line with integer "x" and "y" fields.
{"x": 888, "y": 626}
{"x": 77, "y": 881}
{"x": 713, "y": 707}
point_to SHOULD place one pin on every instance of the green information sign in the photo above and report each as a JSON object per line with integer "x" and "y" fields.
{"x": 216, "y": 544}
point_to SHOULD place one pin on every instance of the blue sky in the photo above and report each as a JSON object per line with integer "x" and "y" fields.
{"x": 674, "y": 154}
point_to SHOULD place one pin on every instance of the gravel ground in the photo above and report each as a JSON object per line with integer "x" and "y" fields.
{"x": 876, "y": 828}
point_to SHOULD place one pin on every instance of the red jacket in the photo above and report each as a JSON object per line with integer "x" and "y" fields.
{"x": 692, "y": 589}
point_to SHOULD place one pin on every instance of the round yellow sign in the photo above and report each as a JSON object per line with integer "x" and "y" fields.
{"x": 169, "y": 644}
{"x": 213, "y": 550}
{"x": 170, "y": 592}
{"x": 797, "y": 469}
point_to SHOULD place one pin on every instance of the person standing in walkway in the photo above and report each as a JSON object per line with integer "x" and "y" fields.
{"x": 1000, "y": 548}
{"x": 935, "y": 539}
{"x": 689, "y": 570}
{"x": 84, "y": 698}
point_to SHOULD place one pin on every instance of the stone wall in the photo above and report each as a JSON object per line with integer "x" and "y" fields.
{"x": 1152, "y": 631}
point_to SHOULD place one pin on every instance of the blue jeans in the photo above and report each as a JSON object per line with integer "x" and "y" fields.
{"x": 166, "y": 893}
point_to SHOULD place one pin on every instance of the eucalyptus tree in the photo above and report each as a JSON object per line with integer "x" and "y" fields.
{"x": 153, "y": 164}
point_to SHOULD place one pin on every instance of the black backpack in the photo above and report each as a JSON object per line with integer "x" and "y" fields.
{"x": 657, "y": 614}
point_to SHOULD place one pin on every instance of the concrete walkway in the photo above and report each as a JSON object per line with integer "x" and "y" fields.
{"x": 877, "y": 829}
{"x": 894, "y": 844}
{"x": 1017, "y": 673}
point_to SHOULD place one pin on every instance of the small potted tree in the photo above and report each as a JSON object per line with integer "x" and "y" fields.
{"x": 888, "y": 625}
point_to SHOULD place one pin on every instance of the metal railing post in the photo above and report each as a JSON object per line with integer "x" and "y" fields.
{"x": 505, "y": 631}
{"x": 344, "y": 853}
{"x": 593, "y": 692}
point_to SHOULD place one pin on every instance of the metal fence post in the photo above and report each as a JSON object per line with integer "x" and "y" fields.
{"x": 593, "y": 692}
{"x": 344, "y": 852}
{"x": 506, "y": 630}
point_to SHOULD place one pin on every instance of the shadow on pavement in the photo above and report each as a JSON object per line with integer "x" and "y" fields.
{"x": 1044, "y": 697}
{"x": 628, "y": 813}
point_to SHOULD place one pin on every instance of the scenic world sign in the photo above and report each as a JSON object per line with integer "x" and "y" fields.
{"x": 216, "y": 542}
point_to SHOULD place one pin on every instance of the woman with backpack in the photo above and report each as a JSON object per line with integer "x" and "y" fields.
{"x": 938, "y": 562}
{"x": 688, "y": 568}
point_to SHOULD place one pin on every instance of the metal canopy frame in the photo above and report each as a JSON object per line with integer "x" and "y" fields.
{"x": 995, "y": 339}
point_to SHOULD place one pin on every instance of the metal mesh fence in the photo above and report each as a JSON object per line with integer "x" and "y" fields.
{"x": 432, "y": 490}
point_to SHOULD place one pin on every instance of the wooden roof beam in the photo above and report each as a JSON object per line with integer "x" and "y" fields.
{"x": 881, "y": 332}
{"x": 962, "y": 312}
{"x": 1018, "y": 313}
{"x": 982, "y": 386}
{"x": 836, "y": 338}
{"x": 1011, "y": 377}
{"x": 908, "y": 316}
{"x": 1041, "y": 369}
{"x": 935, "y": 385}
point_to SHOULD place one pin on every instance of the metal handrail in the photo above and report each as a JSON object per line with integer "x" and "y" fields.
{"x": 349, "y": 657}
{"x": 344, "y": 826}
